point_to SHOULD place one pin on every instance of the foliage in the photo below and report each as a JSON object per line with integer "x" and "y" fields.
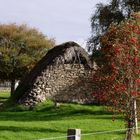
{"x": 105, "y": 14}
{"x": 118, "y": 81}
{"x": 20, "y": 49}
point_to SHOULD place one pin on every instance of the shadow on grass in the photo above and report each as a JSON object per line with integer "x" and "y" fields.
{"x": 3, "y": 98}
{"x": 29, "y": 129}
{"x": 14, "y": 129}
{"x": 53, "y": 113}
{"x": 2, "y": 102}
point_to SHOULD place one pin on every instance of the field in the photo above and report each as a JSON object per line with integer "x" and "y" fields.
{"x": 46, "y": 121}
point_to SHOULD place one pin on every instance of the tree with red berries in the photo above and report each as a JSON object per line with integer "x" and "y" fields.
{"x": 117, "y": 83}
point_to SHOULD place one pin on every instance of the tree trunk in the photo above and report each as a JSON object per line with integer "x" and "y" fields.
{"x": 132, "y": 120}
{"x": 12, "y": 86}
{"x": 129, "y": 131}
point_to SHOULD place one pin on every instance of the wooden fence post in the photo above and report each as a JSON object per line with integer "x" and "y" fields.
{"x": 74, "y": 134}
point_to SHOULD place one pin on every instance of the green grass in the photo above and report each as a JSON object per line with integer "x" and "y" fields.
{"x": 137, "y": 137}
{"x": 4, "y": 95}
{"x": 46, "y": 121}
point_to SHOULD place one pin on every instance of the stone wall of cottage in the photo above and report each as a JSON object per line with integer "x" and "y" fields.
{"x": 64, "y": 83}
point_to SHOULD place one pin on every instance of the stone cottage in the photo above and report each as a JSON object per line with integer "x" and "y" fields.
{"x": 64, "y": 74}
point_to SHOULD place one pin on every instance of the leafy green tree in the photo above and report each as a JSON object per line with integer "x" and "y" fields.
{"x": 104, "y": 15}
{"x": 21, "y": 48}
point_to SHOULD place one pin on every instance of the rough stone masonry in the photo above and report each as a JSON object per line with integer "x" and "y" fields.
{"x": 65, "y": 74}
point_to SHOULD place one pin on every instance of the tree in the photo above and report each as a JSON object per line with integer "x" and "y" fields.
{"x": 20, "y": 49}
{"x": 116, "y": 11}
{"x": 117, "y": 83}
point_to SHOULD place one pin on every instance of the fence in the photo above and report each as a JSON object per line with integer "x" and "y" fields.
{"x": 5, "y": 86}
{"x": 75, "y": 134}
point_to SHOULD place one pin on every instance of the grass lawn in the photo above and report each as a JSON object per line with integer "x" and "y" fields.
{"x": 46, "y": 121}
{"x": 4, "y": 95}
{"x": 137, "y": 137}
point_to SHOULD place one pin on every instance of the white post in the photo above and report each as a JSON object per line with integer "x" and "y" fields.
{"x": 135, "y": 117}
{"x": 16, "y": 85}
{"x": 74, "y": 134}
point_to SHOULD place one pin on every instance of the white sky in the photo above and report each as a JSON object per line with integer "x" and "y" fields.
{"x": 63, "y": 20}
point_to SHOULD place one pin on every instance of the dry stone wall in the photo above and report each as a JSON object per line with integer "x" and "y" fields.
{"x": 63, "y": 83}
{"x": 64, "y": 74}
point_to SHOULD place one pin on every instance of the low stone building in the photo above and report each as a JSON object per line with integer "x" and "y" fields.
{"x": 64, "y": 74}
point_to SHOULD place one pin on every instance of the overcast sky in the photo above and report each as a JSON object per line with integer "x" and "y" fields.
{"x": 63, "y": 20}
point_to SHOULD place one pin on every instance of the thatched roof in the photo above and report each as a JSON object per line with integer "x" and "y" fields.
{"x": 66, "y": 53}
